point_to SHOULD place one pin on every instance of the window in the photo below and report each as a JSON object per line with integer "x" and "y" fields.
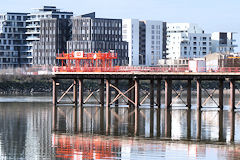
{"x": 19, "y": 18}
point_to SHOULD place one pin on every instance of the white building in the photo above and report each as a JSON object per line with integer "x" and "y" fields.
{"x": 186, "y": 40}
{"x": 222, "y": 42}
{"x": 153, "y": 42}
{"x": 130, "y": 33}
{"x": 12, "y": 40}
{"x": 145, "y": 41}
{"x": 33, "y": 24}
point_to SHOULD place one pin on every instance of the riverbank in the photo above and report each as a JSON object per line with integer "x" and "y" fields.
{"x": 25, "y": 84}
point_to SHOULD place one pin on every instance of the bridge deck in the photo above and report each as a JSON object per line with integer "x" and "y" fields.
{"x": 148, "y": 75}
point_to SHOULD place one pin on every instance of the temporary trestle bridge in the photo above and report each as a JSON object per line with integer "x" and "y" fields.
{"x": 110, "y": 93}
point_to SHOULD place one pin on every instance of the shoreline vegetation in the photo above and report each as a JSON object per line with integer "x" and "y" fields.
{"x": 42, "y": 84}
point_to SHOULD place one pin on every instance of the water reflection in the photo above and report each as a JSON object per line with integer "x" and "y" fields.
{"x": 81, "y": 146}
{"x": 173, "y": 124}
{"x": 128, "y": 133}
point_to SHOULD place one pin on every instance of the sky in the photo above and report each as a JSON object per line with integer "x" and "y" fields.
{"x": 211, "y": 15}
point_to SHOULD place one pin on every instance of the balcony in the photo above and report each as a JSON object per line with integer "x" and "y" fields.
{"x": 32, "y": 32}
{"x": 33, "y": 38}
{"x": 33, "y": 26}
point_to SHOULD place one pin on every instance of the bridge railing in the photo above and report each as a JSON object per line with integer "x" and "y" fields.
{"x": 144, "y": 69}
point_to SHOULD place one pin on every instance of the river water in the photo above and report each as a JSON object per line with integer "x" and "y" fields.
{"x": 26, "y": 132}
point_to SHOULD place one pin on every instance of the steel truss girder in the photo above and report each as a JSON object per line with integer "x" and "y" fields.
{"x": 122, "y": 94}
{"x": 66, "y": 94}
{"x": 92, "y": 95}
{"x": 178, "y": 95}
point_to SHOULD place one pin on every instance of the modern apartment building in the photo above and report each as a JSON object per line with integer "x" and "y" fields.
{"x": 223, "y": 42}
{"x": 54, "y": 34}
{"x": 12, "y": 40}
{"x": 186, "y": 40}
{"x": 130, "y": 32}
{"x": 146, "y": 41}
{"x": 34, "y": 24}
{"x": 153, "y": 41}
{"x": 91, "y": 34}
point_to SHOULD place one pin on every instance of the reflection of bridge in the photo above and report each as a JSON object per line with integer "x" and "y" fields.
{"x": 132, "y": 94}
{"x": 82, "y": 147}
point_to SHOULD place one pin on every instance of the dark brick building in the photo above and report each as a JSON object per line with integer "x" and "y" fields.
{"x": 90, "y": 34}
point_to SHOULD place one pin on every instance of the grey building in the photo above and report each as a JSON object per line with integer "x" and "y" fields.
{"x": 13, "y": 40}
{"x": 54, "y": 34}
{"x": 33, "y": 23}
{"x": 164, "y": 44}
{"x": 142, "y": 43}
{"x": 91, "y": 34}
{"x": 152, "y": 42}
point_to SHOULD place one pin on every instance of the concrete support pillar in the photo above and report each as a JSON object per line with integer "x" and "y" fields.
{"x": 54, "y": 92}
{"x": 168, "y": 93}
{"x": 232, "y": 95}
{"x": 75, "y": 104}
{"x": 101, "y": 92}
{"x": 75, "y": 92}
{"x": 152, "y": 93}
{"x": 199, "y": 124}
{"x": 108, "y": 93}
{"x": 221, "y": 94}
{"x": 199, "y": 94}
{"x": 189, "y": 93}
{"x": 136, "y": 87}
{"x": 116, "y": 92}
{"x": 159, "y": 93}
{"x": 107, "y": 106}
{"x": 54, "y": 109}
{"x": 136, "y": 105}
{"x": 80, "y": 106}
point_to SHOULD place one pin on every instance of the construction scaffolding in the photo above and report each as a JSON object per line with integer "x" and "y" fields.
{"x": 80, "y": 61}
